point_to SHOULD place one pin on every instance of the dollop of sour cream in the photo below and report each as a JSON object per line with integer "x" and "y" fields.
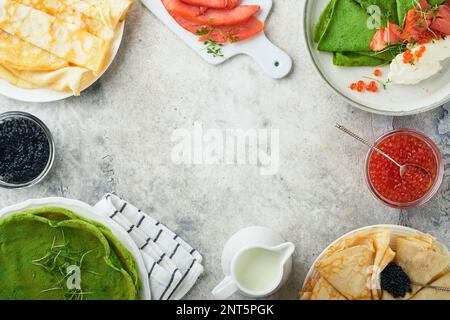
{"x": 428, "y": 65}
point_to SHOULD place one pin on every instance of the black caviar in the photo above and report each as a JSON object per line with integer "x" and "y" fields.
{"x": 395, "y": 281}
{"x": 24, "y": 150}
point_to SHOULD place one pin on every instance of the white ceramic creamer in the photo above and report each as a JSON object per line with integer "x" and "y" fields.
{"x": 257, "y": 271}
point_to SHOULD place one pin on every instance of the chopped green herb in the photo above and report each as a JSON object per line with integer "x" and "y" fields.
{"x": 213, "y": 48}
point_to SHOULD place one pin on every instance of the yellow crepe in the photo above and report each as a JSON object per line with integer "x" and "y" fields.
{"x": 64, "y": 40}
{"x": 432, "y": 294}
{"x": 68, "y": 79}
{"x": 383, "y": 256}
{"x": 21, "y": 55}
{"x": 323, "y": 290}
{"x": 349, "y": 271}
{"x": 305, "y": 294}
{"x": 422, "y": 262}
{"x": 5, "y": 74}
{"x": 111, "y": 12}
{"x": 60, "y": 9}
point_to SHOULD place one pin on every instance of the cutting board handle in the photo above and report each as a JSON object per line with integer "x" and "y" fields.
{"x": 275, "y": 62}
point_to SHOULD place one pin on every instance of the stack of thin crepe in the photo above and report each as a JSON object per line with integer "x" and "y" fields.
{"x": 343, "y": 29}
{"x": 57, "y": 44}
{"x": 38, "y": 247}
{"x": 351, "y": 268}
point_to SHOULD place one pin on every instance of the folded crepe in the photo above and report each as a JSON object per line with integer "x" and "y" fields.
{"x": 343, "y": 27}
{"x": 37, "y": 254}
{"x": 68, "y": 79}
{"x": 62, "y": 39}
{"x": 422, "y": 262}
{"x": 422, "y": 259}
{"x": 57, "y": 44}
{"x": 65, "y": 13}
{"x": 383, "y": 256}
{"x": 323, "y": 290}
{"x": 433, "y": 294}
{"x": 21, "y": 55}
{"x": 349, "y": 271}
{"x": 99, "y": 18}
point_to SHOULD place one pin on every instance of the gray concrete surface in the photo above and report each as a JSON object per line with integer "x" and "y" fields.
{"x": 116, "y": 137}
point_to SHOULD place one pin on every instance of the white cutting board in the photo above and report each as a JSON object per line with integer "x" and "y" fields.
{"x": 274, "y": 61}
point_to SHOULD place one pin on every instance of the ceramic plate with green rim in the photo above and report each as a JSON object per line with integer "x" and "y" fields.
{"x": 396, "y": 99}
{"x": 57, "y": 248}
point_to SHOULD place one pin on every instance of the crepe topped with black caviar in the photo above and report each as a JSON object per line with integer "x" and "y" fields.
{"x": 52, "y": 258}
{"x": 352, "y": 267}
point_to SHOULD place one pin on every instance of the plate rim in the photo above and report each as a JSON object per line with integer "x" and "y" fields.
{"x": 70, "y": 204}
{"x": 312, "y": 269}
{"x": 348, "y": 99}
{"x": 54, "y": 95}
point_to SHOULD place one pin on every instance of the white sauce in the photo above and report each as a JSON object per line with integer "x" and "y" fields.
{"x": 428, "y": 65}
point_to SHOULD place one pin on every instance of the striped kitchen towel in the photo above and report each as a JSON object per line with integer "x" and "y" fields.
{"x": 173, "y": 266}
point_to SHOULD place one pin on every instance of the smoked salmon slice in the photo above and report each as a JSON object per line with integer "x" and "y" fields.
{"x": 216, "y": 4}
{"x": 391, "y": 35}
{"x": 212, "y": 17}
{"x": 239, "y": 32}
{"x": 441, "y": 22}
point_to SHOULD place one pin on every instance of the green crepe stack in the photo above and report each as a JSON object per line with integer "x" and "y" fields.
{"x": 37, "y": 246}
{"x": 342, "y": 29}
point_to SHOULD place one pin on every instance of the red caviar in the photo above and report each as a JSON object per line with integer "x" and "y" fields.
{"x": 377, "y": 73}
{"x": 419, "y": 53}
{"x": 384, "y": 176}
{"x": 361, "y": 86}
{"x": 408, "y": 57}
{"x": 372, "y": 86}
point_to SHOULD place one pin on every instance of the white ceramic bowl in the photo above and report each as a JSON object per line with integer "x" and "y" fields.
{"x": 88, "y": 212}
{"x": 396, "y": 100}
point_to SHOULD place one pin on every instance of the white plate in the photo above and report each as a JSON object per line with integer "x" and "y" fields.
{"x": 48, "y": 95}
{"x": 274, "y": 61}
{"x": 88, "y": 212}
{"x": 396, "y": 232}
{"x": 396, "y": 100}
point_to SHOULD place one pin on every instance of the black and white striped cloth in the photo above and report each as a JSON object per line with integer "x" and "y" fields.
{"x": 173, "y": 266}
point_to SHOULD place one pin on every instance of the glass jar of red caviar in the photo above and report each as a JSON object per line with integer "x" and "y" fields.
{"x": 406, "y": 146}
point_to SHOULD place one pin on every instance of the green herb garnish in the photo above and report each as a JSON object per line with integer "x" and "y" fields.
{"x": 213, "y": 48}
{"x": 56, "y": 261}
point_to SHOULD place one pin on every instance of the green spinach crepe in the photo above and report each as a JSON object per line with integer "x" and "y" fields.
{"x": 126, "y": 259}
{"x": 38, "y": 248}
{"x": 343, "y": 30}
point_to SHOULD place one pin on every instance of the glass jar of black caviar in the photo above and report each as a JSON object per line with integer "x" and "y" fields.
{"x": 27, "y": 150}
